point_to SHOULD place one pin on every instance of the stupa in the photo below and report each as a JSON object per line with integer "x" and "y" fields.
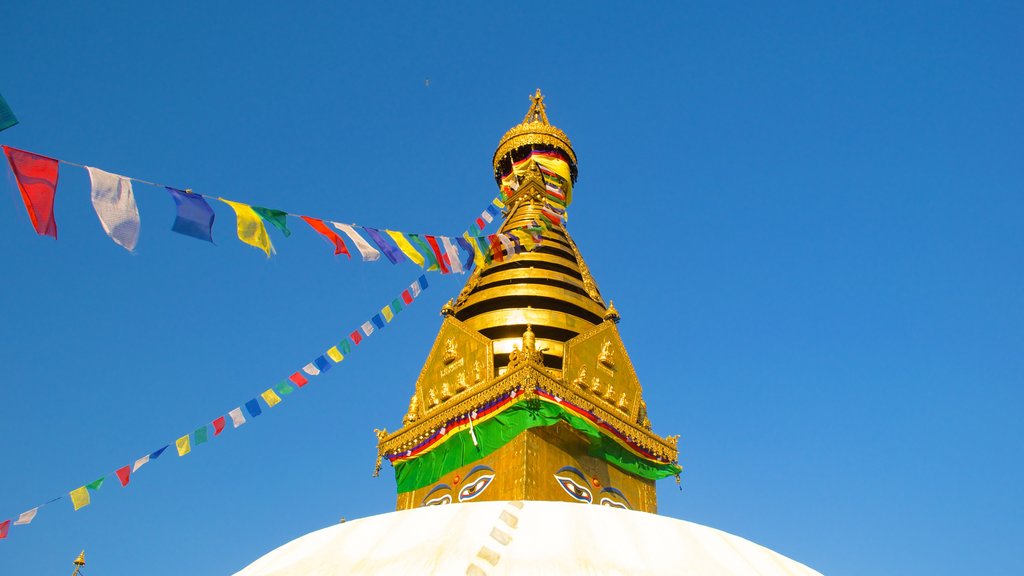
{"x": 526, "y": 445}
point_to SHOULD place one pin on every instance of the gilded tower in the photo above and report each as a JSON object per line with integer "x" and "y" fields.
{"x": 528, "y": 392}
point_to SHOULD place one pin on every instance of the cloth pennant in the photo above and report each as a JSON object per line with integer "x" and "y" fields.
{"x": 369, "y": 253}
{"x": 37, "y": 181}
{"x": 322, "y": 363}
{"x": 201, "y": 435}
{"x": 26, "y": 518}
{"x": 367, "y": 328}
{"x": 496, "y": 250}
{"x": 124, "y": 475}
{"x": 387, "y": 313}
{"x": 470, "y": 253}
{"x": 283, "y": 388}
{"x": 140, "y": 463}
{"x": 432, "y": 242}
{"x": 485, "y": 248}
{"x": 271, "y": 398}
{"x": 298, "y": 379}
{"x": 356, "y": 336}
{"x": 390, "y": 250}
{"x": 114, "y": 203}
{"x": 507, "y": 245}
{"x": 277, "y": 218}
{"x": 253, "y": 407}
{"x": 250, "y": 227}
{"x": 487, "y": 216}
{"x": 421, "y": 282}
{"x": 311, "y": 369}
{"x": 330, "y": 235}
{"x": 406, "y": 296}
{"x": 403, "y": 244}
{"x": 183, "y": 445}
{"x": 7, "y": 117}
{"x": 497, "y": 203}
{"x": 5, "y": 527}
{"x": 334, "y": 354}
{"x": 425, "y": 250}
{"x": 452, "y": 255}
{"x": 194, "y": 216}
{"x": 396, "y": 306}
{"x": 478, "y": 256}
{"x": 79, "y": 497}
{"x": 157, "y": 453}
{"x": 237, "y": 419}
{"x": 378, "y": 321}
{"x": 96, "y": 484}
{"x": 344, "y": 346}
{"x": 218, "y": 425}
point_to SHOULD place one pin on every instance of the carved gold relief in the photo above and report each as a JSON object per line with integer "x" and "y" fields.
{"x": 607, "y": 356}
{"x": 451, "y": 351}
{"x": 581, "y": 377}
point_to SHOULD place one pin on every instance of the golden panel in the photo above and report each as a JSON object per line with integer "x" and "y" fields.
{"x": 596, "y": 365}
{"x": 524, "y": 316}
{"x": 484, "y": 293}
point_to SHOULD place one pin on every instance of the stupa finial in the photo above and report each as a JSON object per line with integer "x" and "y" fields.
{"x": 537, "y": 112}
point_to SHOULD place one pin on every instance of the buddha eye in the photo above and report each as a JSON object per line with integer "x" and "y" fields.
{"x": 475, "y": 488}
{"x": 614, "y": 498}
{"x": 573, "y": 488}
{"x": 440, "y": 494}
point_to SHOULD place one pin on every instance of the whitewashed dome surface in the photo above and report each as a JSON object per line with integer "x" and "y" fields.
{"x": 490, "y": 538}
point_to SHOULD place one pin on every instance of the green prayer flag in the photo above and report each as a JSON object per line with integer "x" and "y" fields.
{"x": 283, "y": 388}
{"x": 396, "y": 305}
{"x": 95, "y": 485}
{"x": 425, "y": 249}
{"x": 200, "y": 435}
{"x": 7, "y": 118}
{"x": 278, "y": 218}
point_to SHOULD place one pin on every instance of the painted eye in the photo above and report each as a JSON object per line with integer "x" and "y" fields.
{"x": 440, "y": 494}
{"x": 614, "y": 498}
{"x": 475, "y": 488}
{"x": 574, "y": 489}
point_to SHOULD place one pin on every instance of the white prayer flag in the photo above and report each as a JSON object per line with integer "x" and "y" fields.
{"x": 236, "y": 417}
{"x": 26, "y": 517}
{"x": 486, "y": 216}
{"x": 311, "y": 369}
{"x": 140, "y": 462}
{"x": 453, "y": 255}
{"x": 114, "y": 202}
{"x": 367, "y": 328}
{"x": 369, "y": 252}
{"x": 415, "y": 289}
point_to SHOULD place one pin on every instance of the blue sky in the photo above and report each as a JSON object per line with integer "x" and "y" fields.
{"x": 808, "y": 216}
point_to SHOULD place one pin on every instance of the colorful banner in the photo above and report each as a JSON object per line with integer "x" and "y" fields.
{"x": 7, "y": 119}
{"x": 37, "y": 181}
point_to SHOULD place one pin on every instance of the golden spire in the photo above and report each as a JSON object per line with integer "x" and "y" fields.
{"x": 79, "y": 562}
{"x": 535, "y": 132}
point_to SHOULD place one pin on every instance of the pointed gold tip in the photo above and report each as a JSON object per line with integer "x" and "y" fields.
{"x": 80, "y": 561}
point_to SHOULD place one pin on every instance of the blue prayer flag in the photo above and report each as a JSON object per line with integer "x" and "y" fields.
{"x": 157, "y": 454}
{"x": 195, "y": 217}
{"x": 390, "y": 250}
{"x": 253, "y": 407}
{"x": 469, "y": 252}
{"x": 377, "y": 321}
{"x": 493, "y": 210}
{"x": 322, "y": 363}
{"x": 423, "y": 282}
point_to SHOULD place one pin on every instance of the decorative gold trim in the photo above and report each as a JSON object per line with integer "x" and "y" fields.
{"x": 588, "y": 281}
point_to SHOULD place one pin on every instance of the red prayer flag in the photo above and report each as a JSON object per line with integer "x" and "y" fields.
{"x": 356, "y": 337}
{"x": 298, "y": 379}
{"x": 332, "y": 237}
{"x": 37, "y": 180}
{"x": 496, "y": 248}
{"x": 406, "y": 297}
{"x": 5, "y": 525}
{"x": 218, "y": 425}
{"x": 124, "y": 475}
{"x": 437, "y": 252}
{"x": 481, "y": 224}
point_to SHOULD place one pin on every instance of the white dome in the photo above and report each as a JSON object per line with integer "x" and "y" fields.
{"x": 490, "y": 538}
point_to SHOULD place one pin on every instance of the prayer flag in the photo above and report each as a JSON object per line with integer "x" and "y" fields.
{"x": 5, "y": 527}
{"x": 406, "y": 297}
{"x": 344, "y": 346}
{"x": 277, "y": 218}
{"x": 140, "y": 463}
{"x": 311, "y": 369}
{"x": 414, "y": 288}
{"x": 367, "y": 328}
{"x": 406, "y": 247}
{"x": 391, "y": 251}
{"x": 510, "y": 248}
{"x": 253, "y": 407}
{"x": 478, "y": 256}
{"x": 283, "y": 388}
{"x": 470, "y": 253}
{"x": 250, "y": 227}
{"x": 496, "y": 251}
{"x": 486, "y": 215}
{"x": 237, "y": 419}
{"x": 37, "y": 181}
{"x": 432, "y": 241}
{"x": 201, "y": 435}
{"x": 79, "y": 497}
{"x": 480, "y": 224}
{"x": 298, "y": 379}
{"x": 368, "y": 252}
{"x": 7, "y": 119}
{"x": 525, "y": 237}
{"x": 183, "y": 446}
{"x": 493, "y": 211}
{"x": 396, "y": 306}
{"x": 194, "y": 216}
{"x": 27, "y": 517}
{"x": 356, "y": 337}
{"x": 421, "y": 282}
{"x": 335, "y": 354}
{"x": 387, "y": 313}
{"x": 497, "y": 203}
{"x": 218, "y": 425}
{"x": 271, "y": 398}
{"x": 124, "y": 475}
{"x": 157, "y": 454}
{"x": 377, "y": 321}
{"x": 331, "y": 235}
{"x": 424, "y": 249}
{"x": 96, "y": 484}
{"x": 114, "y": 203}
{"x": 452, "y": 255}
{"x": 485, "y": 248}
{"x": 322, "y": 363}
{"x": 473, "y": 229}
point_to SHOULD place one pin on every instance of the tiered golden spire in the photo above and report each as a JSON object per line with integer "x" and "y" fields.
{"x": 533, "y": 323}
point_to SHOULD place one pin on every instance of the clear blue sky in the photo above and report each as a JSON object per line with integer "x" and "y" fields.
{"x": 809, "y": 217}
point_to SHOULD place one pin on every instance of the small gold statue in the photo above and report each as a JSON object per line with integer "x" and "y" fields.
{"x": 445, "y": 392}
{"x": 622, "y": 404}
{"x": 607, "y": 357}
{"x": 477, "y": 375}
{"x": 595, "y": 385}
{"x": 610, "y": 392}
{"x": 433, "y": 398}
{"x": 451, "y": 351}
{"x": 581, "y": 377}
{"x": 460, "y": 382}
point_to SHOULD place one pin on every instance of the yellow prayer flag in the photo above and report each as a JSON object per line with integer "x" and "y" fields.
{"x": 525, "y": 237}
{"x": 250, "y": 227}
{"x": 272, "y": 398}
{"x": 80, "y": 497}
{"x": 406, "y": 247}
{"x": 478, "y": 256}
{"x": 387, "y": 313}
{"x": 335, "y": 354}
{"x": 183, "y": 445}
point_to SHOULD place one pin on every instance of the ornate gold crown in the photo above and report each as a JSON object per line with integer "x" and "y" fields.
{"x": 535, "y": 129}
